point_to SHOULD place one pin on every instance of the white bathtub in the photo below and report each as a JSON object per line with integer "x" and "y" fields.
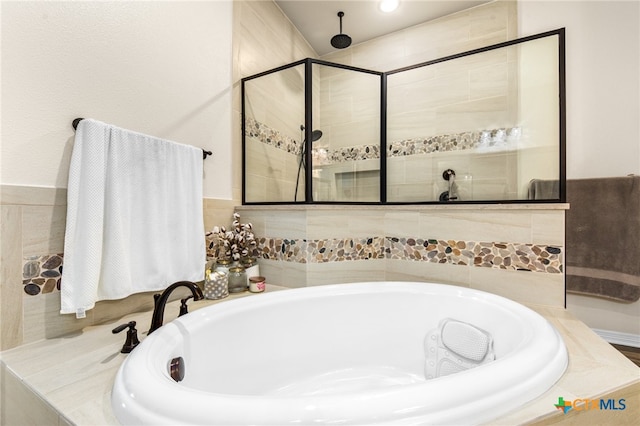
{"x": 338, "y": 354}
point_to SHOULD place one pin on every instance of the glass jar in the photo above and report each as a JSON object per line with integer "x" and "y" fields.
{"x": 223, "y": 265}
{"x": 251, "y": 267}
{"x": 237, "y": 279}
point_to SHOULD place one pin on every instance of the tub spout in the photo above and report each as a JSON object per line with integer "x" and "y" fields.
{"x": 160, "y": 300}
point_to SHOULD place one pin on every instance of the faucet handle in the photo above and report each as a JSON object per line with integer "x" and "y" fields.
{"x": 183, "y": 306}
{"x": 132, "y": 336}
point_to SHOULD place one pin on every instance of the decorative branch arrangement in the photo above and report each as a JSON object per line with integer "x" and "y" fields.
{"x": 234, "y": 244}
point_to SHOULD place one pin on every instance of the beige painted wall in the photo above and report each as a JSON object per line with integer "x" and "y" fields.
{"x": 162, "y": 68}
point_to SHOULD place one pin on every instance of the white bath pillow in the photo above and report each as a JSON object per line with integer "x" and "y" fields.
{"x": 456, "y": 346}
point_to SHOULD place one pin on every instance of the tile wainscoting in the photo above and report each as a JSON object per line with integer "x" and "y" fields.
{"x": 516, "y": 251}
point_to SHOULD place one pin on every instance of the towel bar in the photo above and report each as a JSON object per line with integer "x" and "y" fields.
{"x": 77, "y": 121}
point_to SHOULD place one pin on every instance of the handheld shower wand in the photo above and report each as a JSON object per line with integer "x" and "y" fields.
{"x": 315, "y": 135}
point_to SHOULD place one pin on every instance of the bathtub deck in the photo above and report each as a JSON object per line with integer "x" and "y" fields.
{"x": 68, "y": 380}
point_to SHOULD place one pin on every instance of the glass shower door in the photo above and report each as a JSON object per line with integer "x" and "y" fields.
{"x": 477, "y": 127}
{"x": 346, "y": 160}
{"x": 274, "y": 106}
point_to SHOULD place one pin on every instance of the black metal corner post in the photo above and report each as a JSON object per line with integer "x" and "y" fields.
{"x": 308, "y": 130}
{"x": 383, "y": 138}
{"x": 244, "y": 143}
{"x": 563, "y": 135}
{"x": 563, "y": 114}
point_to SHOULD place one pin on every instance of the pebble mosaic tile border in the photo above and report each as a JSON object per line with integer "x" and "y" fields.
{"x": 521, "y": 257}
{"x": 487, "y": 139}
{"x": 43, "y": 274}
{"x": 320, "y": 251}
{"x": 513, "y": 256}
{"x": 269, "y": 136}
{"x": 484, "y": 139}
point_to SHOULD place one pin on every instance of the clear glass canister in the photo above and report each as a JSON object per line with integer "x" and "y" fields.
{"x": 237, "y": 279}
{"x": 223, "y": 265}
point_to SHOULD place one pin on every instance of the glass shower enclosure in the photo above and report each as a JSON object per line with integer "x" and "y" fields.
{"x": 484, "y": 126}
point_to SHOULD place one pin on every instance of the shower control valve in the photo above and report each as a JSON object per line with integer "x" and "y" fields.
{"x": 446, "y": 175}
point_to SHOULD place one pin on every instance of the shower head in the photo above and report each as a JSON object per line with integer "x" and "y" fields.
{"x": 317, "y": 134}
{"x": 341, "y": 41}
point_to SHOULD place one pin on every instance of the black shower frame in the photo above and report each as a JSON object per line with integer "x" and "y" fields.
{"x": 308, "y": 63}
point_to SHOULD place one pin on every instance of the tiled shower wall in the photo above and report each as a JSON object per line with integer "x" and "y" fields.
{"x": 350, "y": 116}
{"x": 516, "y": 251}
{"x": 264, "y": 39}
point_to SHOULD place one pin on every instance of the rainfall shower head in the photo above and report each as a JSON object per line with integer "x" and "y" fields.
{"x": 341, "y": 41}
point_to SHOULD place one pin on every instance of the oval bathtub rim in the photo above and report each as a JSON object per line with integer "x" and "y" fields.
{"x": 283, "y": 296}
{"x": 413, "y": 392}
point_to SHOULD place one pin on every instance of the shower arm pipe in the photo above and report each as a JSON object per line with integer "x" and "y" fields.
{"x": 77, "y": 121}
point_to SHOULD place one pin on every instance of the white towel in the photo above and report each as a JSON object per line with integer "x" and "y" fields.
{"x": 134, "y": 216}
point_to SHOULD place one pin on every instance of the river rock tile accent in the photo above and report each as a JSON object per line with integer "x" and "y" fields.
{"x": 482, "y": 139}
{"x": 273, "y": 137}
{"x": 430, "y": 250}
{"x": 514, "y": 256}
{"x": 320, "y": 251}
{"x": 353, "y": 153}
{"x": 42, "y": 274}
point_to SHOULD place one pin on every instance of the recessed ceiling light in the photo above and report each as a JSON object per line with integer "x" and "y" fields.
{"x": 389, "y": 5}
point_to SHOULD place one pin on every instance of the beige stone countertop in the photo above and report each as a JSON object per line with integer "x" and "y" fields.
{"x": 68, "y": 380}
